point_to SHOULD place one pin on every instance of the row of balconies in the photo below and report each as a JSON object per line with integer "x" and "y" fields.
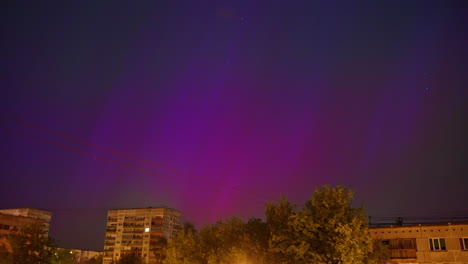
{"x": 134, "y": 224}
{"x": 132, "y": 236}
{"x": 132, "y": 249}
{"x": 135, "y": 218}
{"x": 156, "y": 236}
{"x": 155, "y": 243}
{"x": 133, "y": 230}
{"x": 132, "y": 242}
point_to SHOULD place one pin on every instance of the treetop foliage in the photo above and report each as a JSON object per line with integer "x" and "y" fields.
{"x": 326, "y": 230}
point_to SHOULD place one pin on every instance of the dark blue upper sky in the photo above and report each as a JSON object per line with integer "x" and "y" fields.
{"x": 242, "y": 102}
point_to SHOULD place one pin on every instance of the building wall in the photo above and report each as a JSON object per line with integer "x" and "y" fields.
{"x": 455, "y": 237}
{"x": 45, "y": 216}
{"x": 138, "y": 231}
{"x": 83, "y": 255}
{"x": 10, "y": 223}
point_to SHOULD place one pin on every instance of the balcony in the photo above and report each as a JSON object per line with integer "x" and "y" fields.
{"x": 133, "y": 224}
{"x": 156, "y": 235}
{"x": 402, "y": 253}
{"x": 134, "y": 231}
{"x": 132, "y": 236}
{"x": 131, "y": 250}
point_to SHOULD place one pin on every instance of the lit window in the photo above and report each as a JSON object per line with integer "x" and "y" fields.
{"x": 437, "y": 244}
{"x": 464, "y": 243}
{"x": 147, "y": 229}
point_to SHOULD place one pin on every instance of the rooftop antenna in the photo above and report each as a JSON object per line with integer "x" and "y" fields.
{"x": 399, "y": 221}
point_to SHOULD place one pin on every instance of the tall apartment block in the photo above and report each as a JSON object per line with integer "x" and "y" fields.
{"x": 139, "y": 231}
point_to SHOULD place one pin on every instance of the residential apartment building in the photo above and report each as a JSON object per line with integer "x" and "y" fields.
{"x": 43, "y": 216}
{"x": 14, "y": 221}
{"x": 425, "y": 243}
{"x": 139, "y": 231}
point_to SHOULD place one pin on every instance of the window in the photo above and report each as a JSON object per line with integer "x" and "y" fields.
{"x": 464, "y": 243}
{"x": 437, "y": 244}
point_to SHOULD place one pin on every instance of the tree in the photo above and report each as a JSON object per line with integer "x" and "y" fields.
{"x": 225, "y": 242}
{"x": 5, "y": 251}
{"x": 130, "y": 258}
{"x": 157, "y": 248}
{"x": 184, "y": 248}
{"x": 326, "y": 230}
{"x": 30, "y": 245}
{"x": 258, "y": 236}
{"x": 379, "y": 254}
{"x": 278, "y": 216}
{"x": 340, "y": 228}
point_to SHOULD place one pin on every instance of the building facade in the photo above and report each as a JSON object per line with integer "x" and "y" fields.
{"x": 139, "y": 231}
{"x": 425, "y": 244}
{"x": 82, "y": 255}
{"x": 10, "y": 222}
{"x": 43, "y": 216}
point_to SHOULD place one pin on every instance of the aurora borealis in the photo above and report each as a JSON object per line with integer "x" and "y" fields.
{"x": 248, "y": 100}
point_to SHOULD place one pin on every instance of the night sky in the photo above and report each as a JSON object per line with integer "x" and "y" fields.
{"x": 214, "y": 108}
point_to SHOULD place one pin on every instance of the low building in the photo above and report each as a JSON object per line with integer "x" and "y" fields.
{"x": 85, "y": 255}
{"x": 82, "y": 255}
{"x": 139, "y": 231}
{"x": 425, "y": 243}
